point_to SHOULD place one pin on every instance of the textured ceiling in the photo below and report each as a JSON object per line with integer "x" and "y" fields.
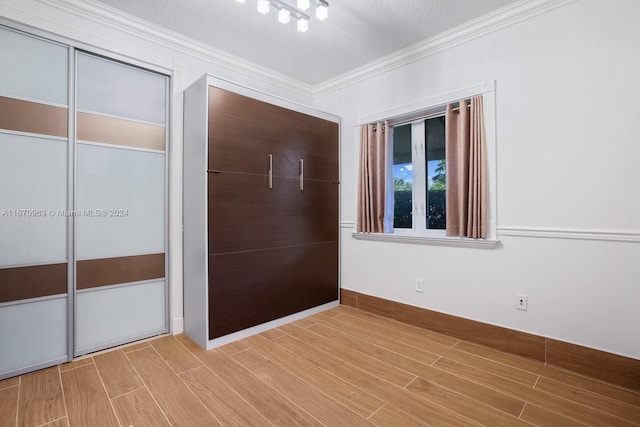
{"x": 356, "y": 32}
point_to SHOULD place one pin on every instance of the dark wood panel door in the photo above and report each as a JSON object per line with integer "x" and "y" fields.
{"x": 244, "y": 214}
{"x": 243, "y": 132}
{"x": 250, "y": 288}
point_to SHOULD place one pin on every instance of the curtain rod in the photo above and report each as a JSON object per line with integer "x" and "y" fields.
{"x": 424, "y": 117}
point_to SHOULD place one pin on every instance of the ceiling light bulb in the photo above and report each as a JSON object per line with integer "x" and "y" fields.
{"x": 284, "y": 16}
{"x": 303, "y": 25}
{"x": 240, "y": 1}
{"x": 303, "y": 4}
{"x": 264, "y": 6}
{"x": 322, "y": 12}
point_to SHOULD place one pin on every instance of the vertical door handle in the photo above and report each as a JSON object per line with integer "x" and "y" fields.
{"x": 270, "y": 171}
{"x": 301, "y": 174}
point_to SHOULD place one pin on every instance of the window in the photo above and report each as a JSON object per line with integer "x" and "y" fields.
{"x": 419, "y": 175}
{"x": 402, "y": 178}
{"x": 426, "y": 172}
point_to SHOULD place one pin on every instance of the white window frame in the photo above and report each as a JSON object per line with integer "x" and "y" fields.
{"x": 419, "y": 186}
{"x": 419, "y": 234}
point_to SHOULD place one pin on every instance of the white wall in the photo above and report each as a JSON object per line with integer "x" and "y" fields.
{"x": 118, "y": 36}
{"x": 568, "y": 127}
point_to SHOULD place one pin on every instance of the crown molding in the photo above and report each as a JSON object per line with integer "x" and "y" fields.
{"x": 121, "y": 21}
{"x": 487, "y": 24}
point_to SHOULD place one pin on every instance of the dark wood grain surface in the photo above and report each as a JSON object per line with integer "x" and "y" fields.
{"x": 244, "y": 131}
{"x": 20, "y": 283}
{"x": 93, "y": 273}
{"x": 273, "y": 251}
{"x": 250, "y": 288}
{"x": 244, "y": 214}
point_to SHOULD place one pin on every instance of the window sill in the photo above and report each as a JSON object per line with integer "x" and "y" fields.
{"x": 424, "y": 240}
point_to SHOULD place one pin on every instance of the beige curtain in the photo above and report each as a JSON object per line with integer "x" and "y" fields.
{"x": 372, "y": 182}
{"x": 466, "y": 159}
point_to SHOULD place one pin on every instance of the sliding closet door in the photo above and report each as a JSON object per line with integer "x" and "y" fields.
{"x": 121, "y": 290}
{"x": 33, "y": 203}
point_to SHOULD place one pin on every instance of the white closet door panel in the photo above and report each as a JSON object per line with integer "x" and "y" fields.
{"x": 32, "y": 333}
{"x": 115, "y": 315}
{"x": 33, "y": 173}
{"x": 114, "y": 89}
{"x": 119, "y": 179}
{"x": 33, "y": 68}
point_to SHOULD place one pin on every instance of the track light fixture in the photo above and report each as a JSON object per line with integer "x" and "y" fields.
{"x": 303, "y": 25}
{"x": 264, "y": 6}
{"x": 284, "y": 16}
{"x": 322, "y": 12}
{"x": 286, "y": 10}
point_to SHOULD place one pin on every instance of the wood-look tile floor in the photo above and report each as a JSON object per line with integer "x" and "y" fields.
{"x": 342, "y": 367}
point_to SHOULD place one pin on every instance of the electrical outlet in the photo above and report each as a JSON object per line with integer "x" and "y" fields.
{"x": 419, "y": 285}
{"x": 521, "y": 302}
